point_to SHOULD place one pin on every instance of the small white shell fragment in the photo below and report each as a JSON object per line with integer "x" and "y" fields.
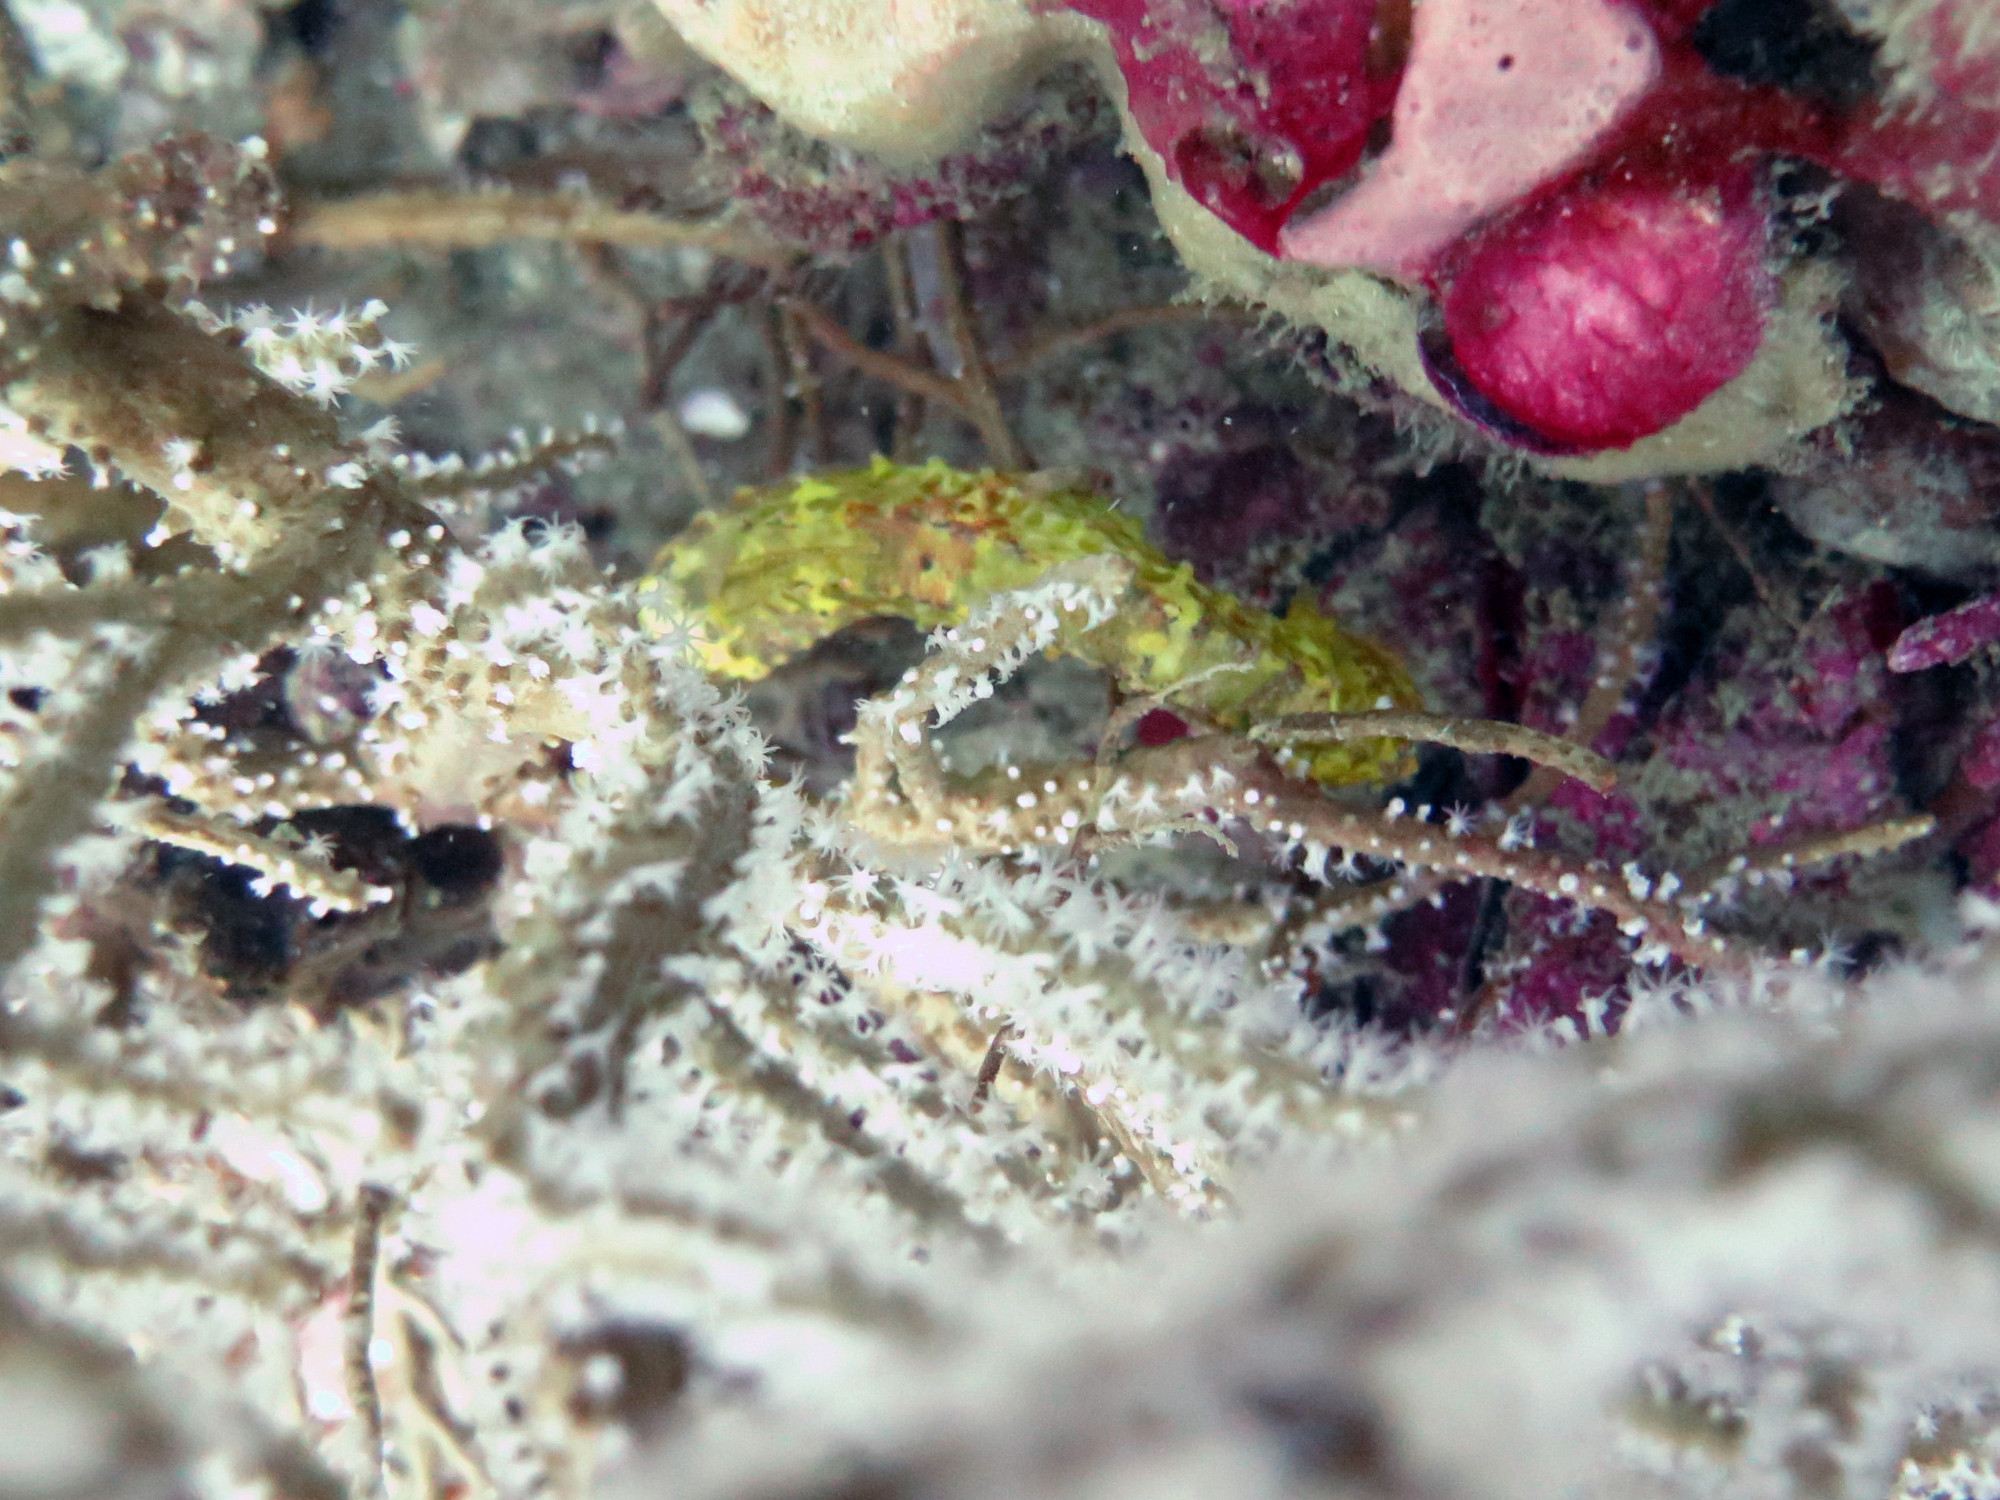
{"x": 713, "y": 413}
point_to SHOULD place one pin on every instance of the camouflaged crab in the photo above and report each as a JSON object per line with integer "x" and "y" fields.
{"x": 1229, "y": 723}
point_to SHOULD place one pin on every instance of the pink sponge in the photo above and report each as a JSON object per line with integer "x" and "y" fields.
{"x": 1501, "y": 97}
{"x": 1605, "y": 311}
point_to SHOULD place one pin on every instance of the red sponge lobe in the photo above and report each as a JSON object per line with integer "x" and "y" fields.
{"x": 1609, "y": 310}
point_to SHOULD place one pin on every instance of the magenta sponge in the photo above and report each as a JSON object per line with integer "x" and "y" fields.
{"x": 1606, "y": 312}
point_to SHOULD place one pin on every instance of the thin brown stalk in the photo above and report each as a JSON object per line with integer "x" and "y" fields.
{"x": 891, "y": 369}
{"x": 1704, "y": 496}
{"x": 903, "y": 309}
{"x": 363, "y": 1391}
{"x": 803, "y": 383}
{"x": 1632, "y": 635}
{"x": 1245, "y": 784}
{"x": 1756, "y": 866}
{"x": 781, "y": 426}
{"x": 1065, "y": 341}
{"x": 1616, "y": 667}
{"x": 444, "y": 219}
{"x": 680, "y": 447}
{"x": 672, "y": 331}
{"x": 982, "y": 392}
{"x": 1477, "y": 736}
{"x": 973, "y": 393}
{"x": 990, "y": 1065}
